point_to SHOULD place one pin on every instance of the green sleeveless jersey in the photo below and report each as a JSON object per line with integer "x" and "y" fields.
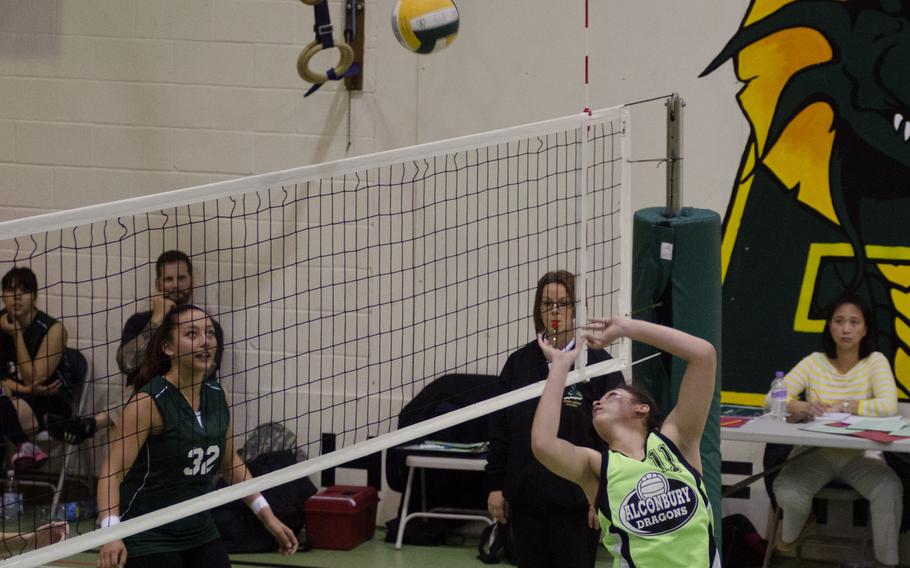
{"x": 175, "y": 465}
{"x": 655, "y": 512}
{"x": 32, "y": 336}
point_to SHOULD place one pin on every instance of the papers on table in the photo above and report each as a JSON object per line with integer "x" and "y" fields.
{"x": 836, "y": 416}
{"x": 441, "y": 446}
{"x": 826, "y": 429}
{"x": 888, "y": 424}
{"x": 876, "y": 436}
{"x": 733, "y": 421}
{"x": 885, "y": 429}
{"x": 734, "y": 416}
{"x": 741, "y": 411}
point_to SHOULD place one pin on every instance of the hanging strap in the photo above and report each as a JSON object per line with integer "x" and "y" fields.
{"x": 324, "y": 40}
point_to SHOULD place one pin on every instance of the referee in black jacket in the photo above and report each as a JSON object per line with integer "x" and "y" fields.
{"x": 551, "y": 520}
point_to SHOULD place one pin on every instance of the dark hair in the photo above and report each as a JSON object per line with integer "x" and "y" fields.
{"x": 154, "y": 360}
{"x": 170, "y": 256}
{"x": 641, "y": 396}
{"x": 564, "y": 277}
{"x": 20, "y": 277}
{"x": 866, "y": 344}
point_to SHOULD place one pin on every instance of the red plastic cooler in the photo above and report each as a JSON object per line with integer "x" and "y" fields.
{"x": 341, "y": 516}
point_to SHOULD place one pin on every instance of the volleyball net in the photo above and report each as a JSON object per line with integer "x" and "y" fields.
{"x": 344, "y": 288}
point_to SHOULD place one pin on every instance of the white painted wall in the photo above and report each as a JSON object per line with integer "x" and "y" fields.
{"x": 107, "y": 99}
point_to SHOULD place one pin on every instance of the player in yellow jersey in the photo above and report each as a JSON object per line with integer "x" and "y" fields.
{"x": 647, "y": 487}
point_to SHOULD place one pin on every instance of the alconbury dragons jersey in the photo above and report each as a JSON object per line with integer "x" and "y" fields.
{"x": 655, "y": 512}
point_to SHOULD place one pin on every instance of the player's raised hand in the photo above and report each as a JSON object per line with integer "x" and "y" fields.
{"x": 557, "y": 356}
{"x": 601, "y": 332}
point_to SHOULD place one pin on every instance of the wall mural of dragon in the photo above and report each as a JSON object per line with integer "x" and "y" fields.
{"x": 821, "y": 202}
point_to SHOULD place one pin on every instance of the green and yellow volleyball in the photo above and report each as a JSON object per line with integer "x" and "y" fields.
{"x": 425, "y": 26}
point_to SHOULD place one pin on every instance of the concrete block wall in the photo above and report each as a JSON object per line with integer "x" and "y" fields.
{"x": 109, "y": 99}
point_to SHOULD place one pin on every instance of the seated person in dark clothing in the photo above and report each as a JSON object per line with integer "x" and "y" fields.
{"x": 173, "y": 287}
{"x": 31, "y": 357}
{"x": 551, "y": 520}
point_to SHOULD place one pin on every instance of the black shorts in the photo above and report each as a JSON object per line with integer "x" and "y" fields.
{"x": 42, "y": 405}
{"x": 209, "y": 555}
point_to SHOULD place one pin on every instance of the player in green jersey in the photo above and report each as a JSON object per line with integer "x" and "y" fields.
{"x": 174, "y": 436}
{"x": 647, "y": 487}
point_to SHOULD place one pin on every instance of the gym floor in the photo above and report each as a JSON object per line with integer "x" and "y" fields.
{"x": 381, "y": 554}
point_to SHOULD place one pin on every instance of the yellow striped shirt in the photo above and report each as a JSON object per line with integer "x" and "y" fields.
{"x": 870, "y": 381}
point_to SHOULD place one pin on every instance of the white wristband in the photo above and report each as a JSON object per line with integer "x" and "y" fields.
{"x": 258, "y": 504}
{"x": 109, "y": 521}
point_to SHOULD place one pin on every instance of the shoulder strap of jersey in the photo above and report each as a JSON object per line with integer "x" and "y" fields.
{"x": 682, "y": 459}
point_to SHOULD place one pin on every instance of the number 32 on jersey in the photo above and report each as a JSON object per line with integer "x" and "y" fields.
{"x": 203, "y": 460}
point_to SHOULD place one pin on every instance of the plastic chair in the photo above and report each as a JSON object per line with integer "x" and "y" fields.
{"x": 776, "y": 454}
{"x": 76, "y": 370}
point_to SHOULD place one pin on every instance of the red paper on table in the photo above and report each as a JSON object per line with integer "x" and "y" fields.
{"x": 876, "y": 436}
{"x": 732, "y": 421}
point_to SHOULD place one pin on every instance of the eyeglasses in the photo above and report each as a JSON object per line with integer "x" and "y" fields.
{"x": 558, "y": 305}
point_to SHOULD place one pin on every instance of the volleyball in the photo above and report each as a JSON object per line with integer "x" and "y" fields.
{"x": 425, "y": 26}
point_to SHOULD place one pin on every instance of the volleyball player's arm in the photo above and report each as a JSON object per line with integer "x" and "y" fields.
{"x": 17, "y": 543}
{"x": 577, "y": 464}
{"x": 234, "y": 470}
{"x": 140, "y": 417}
{"x": 35, "y": 371}
{"x": 686, "y": 422}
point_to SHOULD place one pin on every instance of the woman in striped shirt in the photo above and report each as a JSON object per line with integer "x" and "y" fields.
{"x": 849, "y": 376}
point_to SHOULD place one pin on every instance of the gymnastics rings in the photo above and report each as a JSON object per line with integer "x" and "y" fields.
{"x": 303, "y": 62}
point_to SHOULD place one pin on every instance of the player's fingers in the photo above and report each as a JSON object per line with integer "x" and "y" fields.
{"x": 287, "y": 541}
{"x": 292, "y": 541}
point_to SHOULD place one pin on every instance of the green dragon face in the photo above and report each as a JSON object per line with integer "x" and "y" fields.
{"x": 866, "y": 81}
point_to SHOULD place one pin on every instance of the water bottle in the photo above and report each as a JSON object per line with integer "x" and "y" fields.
{"x": 12, "y": 499}
{"x": 778, "y": 397}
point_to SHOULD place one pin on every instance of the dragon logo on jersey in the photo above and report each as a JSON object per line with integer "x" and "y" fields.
{"x": 657, "y": 505}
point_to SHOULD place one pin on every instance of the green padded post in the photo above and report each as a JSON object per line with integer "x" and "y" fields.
{"x": 676, "y": 262}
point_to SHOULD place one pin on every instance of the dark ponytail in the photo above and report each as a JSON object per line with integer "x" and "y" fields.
{"x": 641, "y": 396}
{"x": 154, "y": 361}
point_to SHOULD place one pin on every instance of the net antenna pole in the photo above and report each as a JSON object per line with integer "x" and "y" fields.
{"x": 583, "y": 212}
{"x": 582, "y": 209}
{"x": 624, "y": 298}
{"x": 675, "y": 105}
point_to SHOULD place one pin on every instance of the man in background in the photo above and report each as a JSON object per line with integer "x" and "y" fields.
{"x": 173, "y": 287}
